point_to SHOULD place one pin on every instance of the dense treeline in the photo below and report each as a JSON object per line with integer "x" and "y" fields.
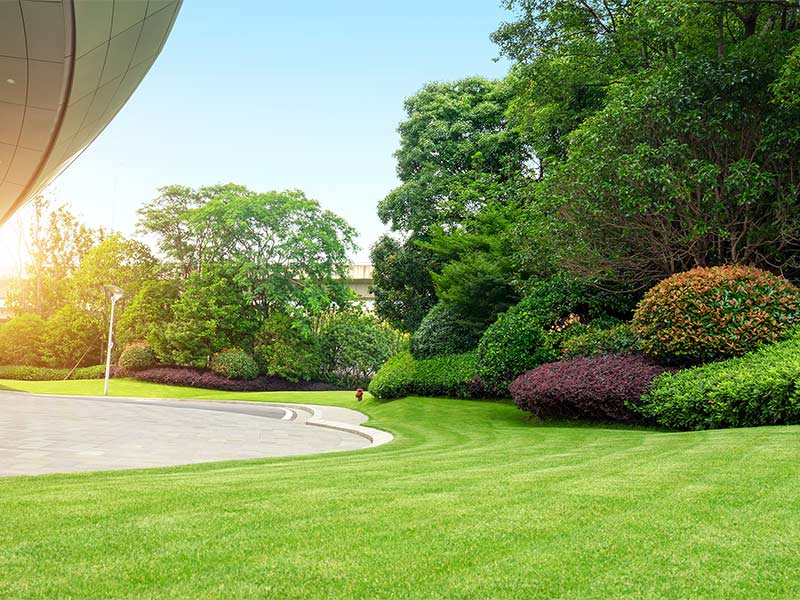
{"x": 245, "y": 283}
{"x": 631, "y": 143}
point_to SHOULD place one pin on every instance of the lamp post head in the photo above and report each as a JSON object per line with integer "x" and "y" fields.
{"x": 114, "y": 292}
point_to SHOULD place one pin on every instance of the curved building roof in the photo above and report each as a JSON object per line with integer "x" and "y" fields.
{"x": 66, "y": 69}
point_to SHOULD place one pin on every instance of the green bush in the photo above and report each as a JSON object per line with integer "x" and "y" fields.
{"x": 761, "y": 388}
{"x": 287, "y": 348}
{"x": 137, "y": 357}
{"x": 619, "y": 339}
{"x": 530, "y": 333}
{"x": 439, "y": 376}
{"x": 234, "y": 363}
{"x": 21, "y": 341}
{"x": 710, "y": 313}
{"x": 442, "y": 332}
{"x": 46, "y": 374}
{"x": 353, "y": 346}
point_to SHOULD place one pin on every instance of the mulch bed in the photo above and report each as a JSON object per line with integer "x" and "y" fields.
{"x": 211, "y": 381}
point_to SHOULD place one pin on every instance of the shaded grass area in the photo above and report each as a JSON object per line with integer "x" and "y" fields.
{"x": 469, "y": 501}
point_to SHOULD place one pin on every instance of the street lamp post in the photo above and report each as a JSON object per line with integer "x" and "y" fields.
{"x": 116, "y": 294}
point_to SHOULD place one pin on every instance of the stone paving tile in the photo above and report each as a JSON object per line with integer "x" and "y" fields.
{"x": 41, "y": 434}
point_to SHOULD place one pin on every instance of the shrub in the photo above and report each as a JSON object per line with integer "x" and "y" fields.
{"x": 761, "y": 388}
{"x": 439, "y": 376}
{"x": 234, "y": 363}
{"x": 711, "y": 313}
{"x": 442, "y": 332}
{"x": 619, "y": 339}
{"x": 137, "y": 356}
{"x": 532, "y": 332}
{"x": 21, "y": 341}
{"x": 520, "y": 339}
{"x": 287, "y": 348}
{"x": 587, "y": 387}
{"x": 353, "y": 347}
{"x": 73, "y": 336}
{"x": 22, "y": 373}
{"x": 203, "y": 379}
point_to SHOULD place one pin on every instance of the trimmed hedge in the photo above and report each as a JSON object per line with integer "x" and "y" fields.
{"x": 199, "y": 378}
{"x": 588, "y": 387}
{"x": 441, "y": 333}
{"x": 234, "y": 363}
{"x": 21, "y": 373}
{"x": 761, "y": 388}
{"x": 137, "y": 356}
{"x": 710, "y": 313}
{"x": 402, "y": 376}
{"x": 620, "y": 339}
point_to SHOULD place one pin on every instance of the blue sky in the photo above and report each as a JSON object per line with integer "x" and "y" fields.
{"x": 278, "y": 95}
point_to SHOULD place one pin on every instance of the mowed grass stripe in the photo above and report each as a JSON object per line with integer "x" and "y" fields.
{"x": 469, "y": 501}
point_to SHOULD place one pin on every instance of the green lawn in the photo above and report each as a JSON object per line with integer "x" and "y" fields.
{"x": 469, "y": 501}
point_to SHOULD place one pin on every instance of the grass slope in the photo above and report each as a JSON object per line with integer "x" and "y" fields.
{"x": 469, "y": 501}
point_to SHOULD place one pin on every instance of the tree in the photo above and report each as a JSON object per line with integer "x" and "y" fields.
{"x": 213, "y": 313}
{"x": 354, "y": 346}
{"x": 116, "y": 261}
{"x": 73, "y": 337}
{"x": 569, "y": 54}
{"x": 457, "y": 155}
{"x": 281, "y": 247}
{"x": 150, "y": 308}
{"x": 697, "y": 169}
{"x": 480, "y": 275}
{"x": 21, "y": 341}
{"x": 56, "y": 242}
{"x": 402, "y": 283}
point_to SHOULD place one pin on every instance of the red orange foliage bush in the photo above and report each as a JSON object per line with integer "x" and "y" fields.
{"x": 711, "y": 313}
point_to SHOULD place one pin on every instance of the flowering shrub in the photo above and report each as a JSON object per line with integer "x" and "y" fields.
{"x": 532, "y": 332}
{"x": 234, "y": 364}
{"x": 711, "y": 313}
{"x": 620, "y": 339}
{"x": 593, "y": 387}
{"x": 761, "y": 388}
{"x": 137, "y": 356}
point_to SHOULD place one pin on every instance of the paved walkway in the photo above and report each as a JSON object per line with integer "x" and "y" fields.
{"x": 54, "y": 434}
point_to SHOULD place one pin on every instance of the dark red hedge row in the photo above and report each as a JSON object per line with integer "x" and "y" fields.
{"x": 588, "y": 387}
{"x": 208, "y": 380}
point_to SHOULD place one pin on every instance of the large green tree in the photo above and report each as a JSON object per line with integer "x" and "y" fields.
{"x": 282, "y": 248}
{"x": 212, "y": 313}
{"x": 457, "y": 154}
{"x": 666, "y": 133}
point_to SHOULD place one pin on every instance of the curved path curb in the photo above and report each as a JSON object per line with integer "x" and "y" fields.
{"x": 341, "y": 419}
{"x": 60, "y": 433}
{"x": 338, "y": 420}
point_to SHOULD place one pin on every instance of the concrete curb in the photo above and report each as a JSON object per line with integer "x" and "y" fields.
{"x": 316, "y": 418}
{"x": 314, "y": 414}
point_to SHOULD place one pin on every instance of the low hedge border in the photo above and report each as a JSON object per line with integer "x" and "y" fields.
{"x": 760, "y": 388}
{"x": 21, "y": 373}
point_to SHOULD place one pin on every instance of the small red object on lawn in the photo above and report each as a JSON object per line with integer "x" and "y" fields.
{"x": 359, "y": 394}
